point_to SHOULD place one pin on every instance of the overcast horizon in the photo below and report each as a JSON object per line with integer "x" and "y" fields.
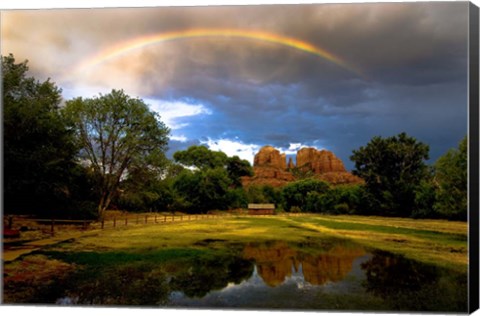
{"x": 236, "y": 78}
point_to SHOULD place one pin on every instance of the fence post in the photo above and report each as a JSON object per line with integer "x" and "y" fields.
{"x": 181, "y": 217}
{"x": 188, "y": 217}
{"x": 84, "y": 224}
{"x": 103, "y": 223}
{"x": 155, "y": 218}
{"x": 173, "y": 217}
{"x": 137, "y": 219}
{"x": 164, "y": 218}
{"x": 146, "y": 218}
{"x": 52, "y": 228}
{"x": 114, "y": 221}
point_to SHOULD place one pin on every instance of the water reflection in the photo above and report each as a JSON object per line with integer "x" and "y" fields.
{"x": 203, "y": 276}
{"x": 411, "y": 285}
{"x": 276, "y": 261}
{"x": 133, "y": 285}
{"x": 337, "y": 275}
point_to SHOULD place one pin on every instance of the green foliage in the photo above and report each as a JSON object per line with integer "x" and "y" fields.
{"x": 116, "y": 134}
{"x": 38, "y": 149}
{"x": 255, "y": 194}
{"x": 201, "y": 191}
{"x": 425, "y": 197}
{"x": 296, "y": 193}
{"x": 351, "y": 199}
{"x": 302, "y": 173}
{"x": 147, "y": 189}
{"x": 238, "y": 168}
{"x": 264, "y": 194}
{"x": 452, "y": 179}
{"x": 202, "y": 158}
{"x": 295, "y": 209}
{"x": 237, "y": 198}
{"x": 392, "y": 169}
{"x": 337, "y": 200}
{"x": 212, "y": 182}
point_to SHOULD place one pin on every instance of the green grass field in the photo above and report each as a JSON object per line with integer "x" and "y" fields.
{"x": 439, "y": 242}
{"x": 103, "y": 261}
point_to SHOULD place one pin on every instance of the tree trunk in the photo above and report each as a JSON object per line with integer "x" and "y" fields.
{"x": 104, "y": 203}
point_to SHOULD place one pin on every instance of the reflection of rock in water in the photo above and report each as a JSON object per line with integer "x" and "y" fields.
{"x": 275, "y": 262}
{"x": 332, "y": 266}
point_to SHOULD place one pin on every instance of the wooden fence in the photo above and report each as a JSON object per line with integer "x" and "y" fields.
{"x": 53, "y": 225}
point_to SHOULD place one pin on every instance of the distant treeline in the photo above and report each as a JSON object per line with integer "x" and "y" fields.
{"x": 78, "y": 159}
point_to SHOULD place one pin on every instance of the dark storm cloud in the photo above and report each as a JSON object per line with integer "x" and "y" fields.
{"x": 412, "y": 58}
{"x": 175, "y": 145}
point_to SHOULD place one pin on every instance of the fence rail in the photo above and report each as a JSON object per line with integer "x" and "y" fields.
{"x": 54, "y": 225}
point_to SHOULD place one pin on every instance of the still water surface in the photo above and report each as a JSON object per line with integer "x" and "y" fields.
{"x": 278, "y": 275}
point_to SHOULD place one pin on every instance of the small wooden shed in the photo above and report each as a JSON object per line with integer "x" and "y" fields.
{"x": 261, "y": 209}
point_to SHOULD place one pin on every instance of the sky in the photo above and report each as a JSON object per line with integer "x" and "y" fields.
{"x": 236, "y": 78}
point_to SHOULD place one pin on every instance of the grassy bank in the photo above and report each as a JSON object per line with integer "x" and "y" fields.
{"x": 149, "y": 261}
{"x": 438, "y": 242}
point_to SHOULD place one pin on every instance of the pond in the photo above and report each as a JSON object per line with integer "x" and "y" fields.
{"x": 342, "y": 277}
{"x": 314, "y": 275}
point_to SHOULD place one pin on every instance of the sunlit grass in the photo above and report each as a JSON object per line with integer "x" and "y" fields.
{"x": 416, "y": 239}
{"x": 439, "y": 242}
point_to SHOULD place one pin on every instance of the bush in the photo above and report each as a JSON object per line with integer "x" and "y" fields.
{"x": 342, "y": 208}
{"x": 295, "y": 209}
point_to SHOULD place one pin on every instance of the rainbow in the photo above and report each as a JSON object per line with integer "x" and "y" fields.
{"x": 137, "y": 43}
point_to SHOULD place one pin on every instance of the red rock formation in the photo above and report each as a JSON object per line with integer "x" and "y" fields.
{"x": 270, "y": 167}
{"x": 340, "y": 178}
{"x": 318, "y": 161}
{"x": 271, "y": 176}
{"x": 270, "y": 157}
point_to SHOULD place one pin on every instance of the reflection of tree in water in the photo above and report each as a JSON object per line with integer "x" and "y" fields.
{"x": 409, "y": 285}
{"x": 147, "y": 284}
{"x": 134, "y": 284}
{"x": 205, "y": 275}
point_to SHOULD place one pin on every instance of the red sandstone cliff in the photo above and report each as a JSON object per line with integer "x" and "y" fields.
{"x": 270, "y": 157}
{"x": 318, "y": 161}
{"x": 270, "y": 167}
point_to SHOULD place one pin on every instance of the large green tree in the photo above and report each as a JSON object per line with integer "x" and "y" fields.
{"x": 38, "y": 149}
{"x": 203, "y": 190}
{"x": 116, "y": 133}
{"x": 202, "y": 158}
{"x": 213, "y": 180}
{"x": 451, "y": 178}
{"x": 392, "y": 168}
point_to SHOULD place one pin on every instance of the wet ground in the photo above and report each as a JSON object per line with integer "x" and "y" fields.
{"x": 314, "y": 275}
